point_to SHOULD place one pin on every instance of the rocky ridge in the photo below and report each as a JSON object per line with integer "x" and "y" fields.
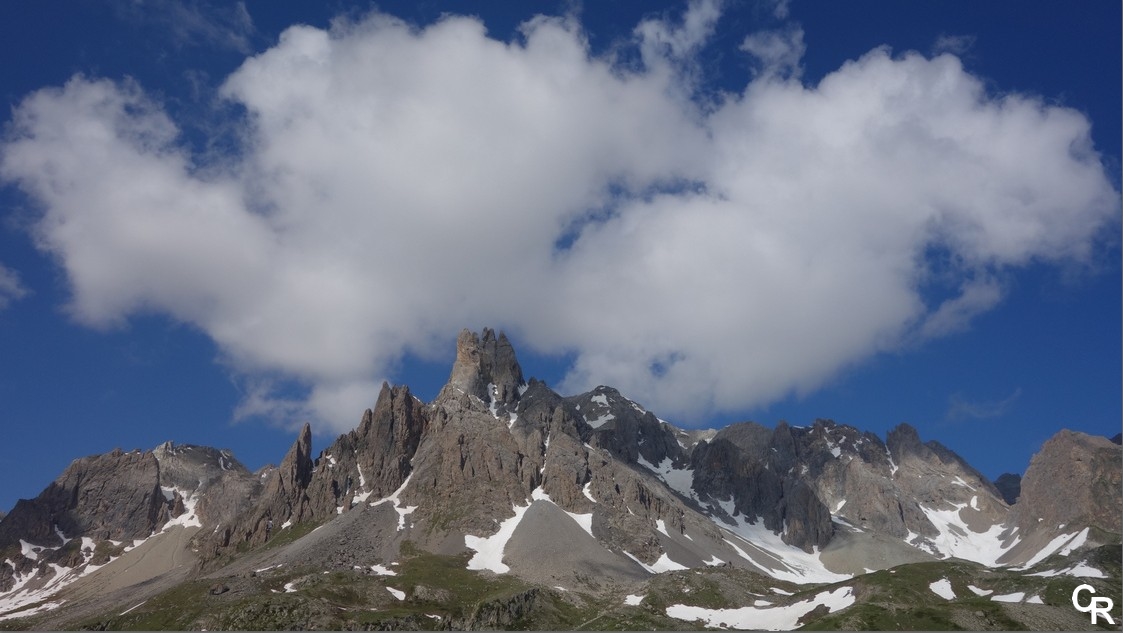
{"x": 498, "y": 462}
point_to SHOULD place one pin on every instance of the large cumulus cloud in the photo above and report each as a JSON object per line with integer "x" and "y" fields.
{"x": 397, "y": 183}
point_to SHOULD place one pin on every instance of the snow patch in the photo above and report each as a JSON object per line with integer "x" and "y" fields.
{"x": 188, "y": 518}
{"x": 678, "y": 479}
{"x": 1079, "y": 570}
{"x": 633, "y": 600}
{"x": 49, "y": 606}
{"x": 661, "y": 526}
{"x": 583, "y": 520}
{"x": 29, "y": 550}
{"x": 1009, "y": 597}
{"x": 596, "y": 423}
{"x": 1066, "y": 543}
{"x": 400, "y": 595}
{"x": 383, "y": 571}
{"x": 942, "y": 588}
{"x": 768, "y": 618}
{"x": 489, "y": 550}
{"x": 959, "y": 482}
{"x": 664, "y": 564}
{"x": 395, "y": 498}
{"x": 1034, "y": 600}
{"x": 955, "y": 538}
{"x": 785, "y": 562}
{"x": 132, "y": 607}
{"x": 365, "y": 494}
{"x": 587, "y": 493}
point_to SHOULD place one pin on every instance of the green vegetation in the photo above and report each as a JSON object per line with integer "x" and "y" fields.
{"x": 440, "y": 592}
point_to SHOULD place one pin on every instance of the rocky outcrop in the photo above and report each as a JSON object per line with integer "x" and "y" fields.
{"x": 486, "y": 368}
{"x": 372, "y": 461}
{"x": 766, "y": 480}
{"x": 283, "y": 497}
{"x": 112, "y": 496}
{"x": 625, "y": 429}
{"x": 218, "y": 485}
{"x": 1075, "y": 481}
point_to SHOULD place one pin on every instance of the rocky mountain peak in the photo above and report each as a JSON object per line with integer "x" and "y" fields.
{"x": 902, "y": 440}
{"x": 1010, "y": 485}
{"x": 1073, "y": 480}
{"x": 486, "y": 367}
{"x": 296, "y": 467}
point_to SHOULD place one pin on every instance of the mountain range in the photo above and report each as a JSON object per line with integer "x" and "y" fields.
{"x": 502, "y": 504}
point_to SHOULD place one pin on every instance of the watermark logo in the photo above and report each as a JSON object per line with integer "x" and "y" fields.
{"x": 1096, "y": 606}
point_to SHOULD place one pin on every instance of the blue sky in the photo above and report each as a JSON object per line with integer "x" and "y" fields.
{"x": 215, "y": 225}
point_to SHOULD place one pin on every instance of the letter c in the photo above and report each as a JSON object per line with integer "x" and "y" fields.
{"x": 1076, "y": 593}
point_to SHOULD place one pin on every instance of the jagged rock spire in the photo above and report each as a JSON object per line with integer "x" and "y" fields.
{"x": 483, "y": 361}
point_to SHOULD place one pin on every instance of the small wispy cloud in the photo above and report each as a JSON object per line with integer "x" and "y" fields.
{"x": 960, "y": 408}
{"x": 194, "y": 23}
{"x": 11, "y": 289}
{"x": 955, "y": 44}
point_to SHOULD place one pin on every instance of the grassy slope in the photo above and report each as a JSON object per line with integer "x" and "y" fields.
{"x": 441, "y": 592}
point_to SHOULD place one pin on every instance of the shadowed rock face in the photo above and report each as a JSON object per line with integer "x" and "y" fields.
{"x": 1010, "y": 485}
{"x": 625, "y": 429}
{"x": 762, "y": 472}
{"x": 1075, "y": 480}
{"x": 112, "y": 496}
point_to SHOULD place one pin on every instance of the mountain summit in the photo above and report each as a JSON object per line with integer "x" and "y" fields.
{"x": 486, "y": 367}
{"x": 502, "y": 503}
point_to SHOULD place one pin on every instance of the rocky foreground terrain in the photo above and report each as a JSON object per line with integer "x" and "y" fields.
{"x": 502, "y": 504}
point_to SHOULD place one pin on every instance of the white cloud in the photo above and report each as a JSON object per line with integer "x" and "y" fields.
{"x": 660, "y": 39}
{"x": 401, "y": 183}
{"x": 10, "y": 287}
{"x": 778, "y": 53}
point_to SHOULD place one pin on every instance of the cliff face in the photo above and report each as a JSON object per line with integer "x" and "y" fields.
{"x": 112, "y": 496}
{"x": 1075, "y": 481}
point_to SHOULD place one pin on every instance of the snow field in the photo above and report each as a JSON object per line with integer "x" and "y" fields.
{"x": 1079, "y": 570}
{"x": 764, "y": 618}
{"x": 791, "y": 563}
{"x": 1017, "y": 596}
